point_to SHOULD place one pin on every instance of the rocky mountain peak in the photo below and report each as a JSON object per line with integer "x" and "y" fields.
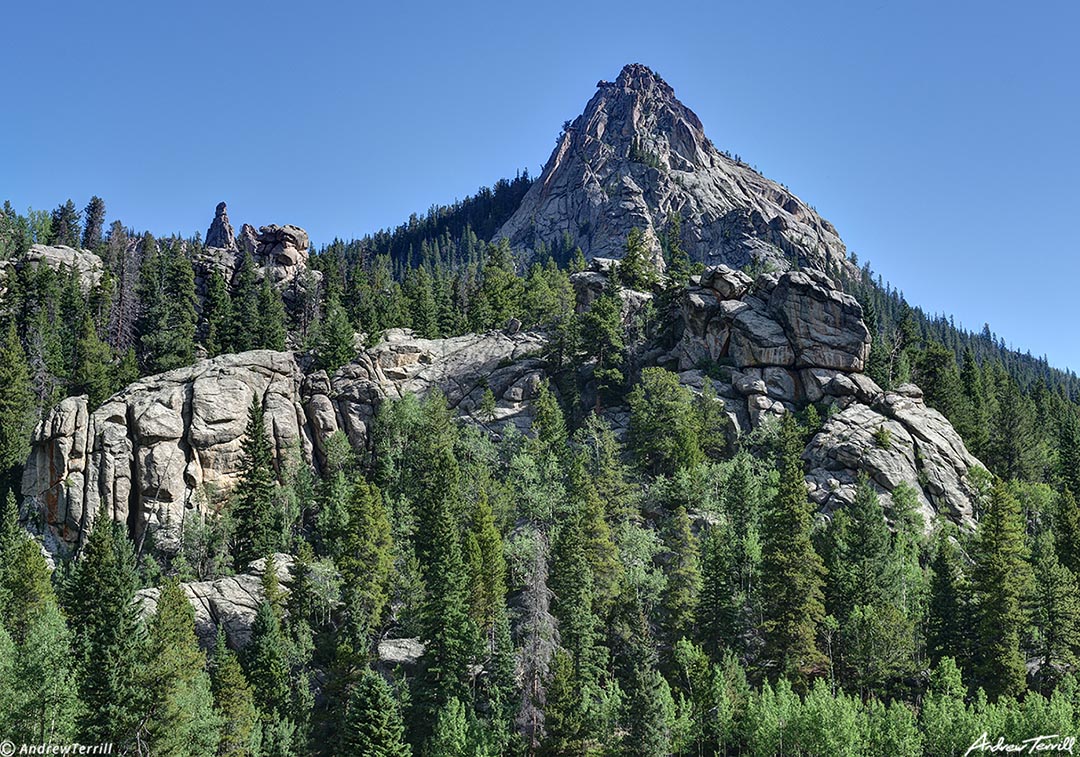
{"x": 636, "y": 157}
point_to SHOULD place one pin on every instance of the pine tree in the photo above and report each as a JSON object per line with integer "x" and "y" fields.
{"x": 245, "y": 301}
{"x": 167, "y": 323}
{"x": 93, "y": 374}
{"x": 683, "y": 569}
{"x": 65, "y": 225}
{"x": 1002, "y": 582}
{"x": 1056, "y": 612}
{"x": 257, "y": 523}
{"x": 947, "y": 619}
{"x": 269, "y": 332}
{"x": 107, "y": 636}
{"x": 17, "y": 411}
{"x": 792, "y": 572}
{"x": 373, "y": 725}
{"x": 234, "y": 703}
{"x": 267, "y": 670}
{"x": 635, "y": 270}
{"x": 180, "y": 719}
{"x": 217, "y": 315}
{"x": 365, "y": 561}
{"x": 95, "y": 222}
{"x": 334, "y": 341}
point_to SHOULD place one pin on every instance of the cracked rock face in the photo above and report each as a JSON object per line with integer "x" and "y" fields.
{"x": 637, "y": 155}
{"x": 169, "y": 445}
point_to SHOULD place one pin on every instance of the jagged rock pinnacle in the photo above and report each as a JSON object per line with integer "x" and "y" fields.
{"x": 220, "y": 233}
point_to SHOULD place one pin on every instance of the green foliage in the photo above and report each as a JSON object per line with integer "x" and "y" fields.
{"x": 636, "y": 270}
{"x": 180, "y": 715}
{"x": 234, "y": 704}
{"x": 257, "y": 523}
{"x": 17, "y": 407}
{"x": 663, "y": 423}
{"x": 108, "y": 638}
{"x": 1002, "y": 581}
{"x": 791, "y": 570}
{"x": 334, "y": 341}
{"x": 93, "y": 374}
{"x": 373, "y": 725}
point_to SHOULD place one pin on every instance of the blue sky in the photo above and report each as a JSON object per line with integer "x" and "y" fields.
{"x": 940, "y": 138}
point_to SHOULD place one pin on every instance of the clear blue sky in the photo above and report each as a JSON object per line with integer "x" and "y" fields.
{"x": 940, "y": 138}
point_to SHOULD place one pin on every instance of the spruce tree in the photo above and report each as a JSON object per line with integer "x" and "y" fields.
{"x": 65, "y": 225}
{"x": 678, "y": 261}
{"x": 1056, "y": 612}
{"x": 1067, "y": 531}
{"x": 267, "y": 670}
{"x": 245, "y": 301}
{"x": 792, "y": 572}
{"x": 95, "y": 222}
{"x": 270, "y": 328}
{"x": 108, "y": 637}
{"x": 635, "y": 270}
{"x": 373, "y": 725}
{"x": 578, "y": 664}
{"x": 683, "y": 568}
{"x": 1002, "y": 583}
{"x": 93, "y": 374}
{"x": 602, "y": 337}
{"x": 663, "y": 424}
{"x": 217, "y": 315}
{"x": 257, "y": 522}
{"x": 234, "y": 703}
{"x": 947, "y": 617}
{"x": 180, "y": 719}
{"x": 365, "y": 562}
{"x": 334, "y": 341}
{"x": 447, "y": 632}
{"x": 47, "y": 703}
{"x": 17, "y": 410}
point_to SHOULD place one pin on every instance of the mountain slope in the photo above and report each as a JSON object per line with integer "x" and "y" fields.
{"x": 637, "y": 155}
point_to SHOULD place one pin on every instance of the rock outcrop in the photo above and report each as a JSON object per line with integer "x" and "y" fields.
{"x": 86, "y": 264}
{"x": 636, "y": 156}
{"x": 227, "y": 603}
{"x": 220, "y": 233}
{"x": 171, "y": 444}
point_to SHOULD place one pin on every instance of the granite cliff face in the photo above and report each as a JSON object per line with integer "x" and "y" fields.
{"x": 170, "y": 444}
{"x": 637, "y": 155}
